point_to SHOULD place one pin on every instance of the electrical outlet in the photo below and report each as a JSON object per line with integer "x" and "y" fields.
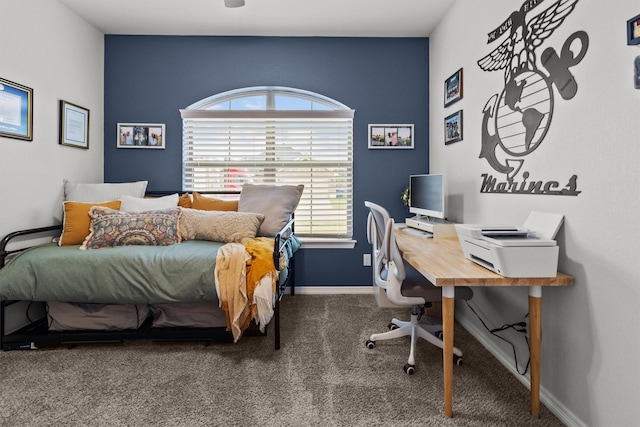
{"x": 366, "y": 260}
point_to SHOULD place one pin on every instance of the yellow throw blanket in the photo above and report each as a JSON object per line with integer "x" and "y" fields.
{"x": 261, "y": 274}
{"x": 260, "y": 250}
{"x": 246, "y": 283}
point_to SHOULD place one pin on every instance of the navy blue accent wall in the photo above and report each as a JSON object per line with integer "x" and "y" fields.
{"x": 148, "y": 79}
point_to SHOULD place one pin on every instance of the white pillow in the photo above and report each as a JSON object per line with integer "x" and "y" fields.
{"x": 96, "y": 193}
{"x": 138, "y": 204}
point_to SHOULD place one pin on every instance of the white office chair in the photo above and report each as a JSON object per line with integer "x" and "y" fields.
{"x": 404, "y": 286}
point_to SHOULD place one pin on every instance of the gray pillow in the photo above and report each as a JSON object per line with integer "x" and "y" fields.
{"x": 275, "y": 202}
{"x": 96, "y": 193}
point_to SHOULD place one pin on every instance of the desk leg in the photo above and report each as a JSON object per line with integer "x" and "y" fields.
{"x": 448, "y": 299}
{"x": 535, "y": 335}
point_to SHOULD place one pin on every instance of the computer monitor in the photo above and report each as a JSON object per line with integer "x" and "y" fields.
{"x": 427, "y": 195}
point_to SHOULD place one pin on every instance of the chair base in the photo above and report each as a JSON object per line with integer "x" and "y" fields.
{"x": 415, "y": 329}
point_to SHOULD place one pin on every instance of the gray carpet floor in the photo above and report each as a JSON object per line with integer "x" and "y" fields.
{"x": 323, "y": 376}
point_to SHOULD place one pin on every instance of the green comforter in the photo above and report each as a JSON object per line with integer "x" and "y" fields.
{"x": 127, "y": 275}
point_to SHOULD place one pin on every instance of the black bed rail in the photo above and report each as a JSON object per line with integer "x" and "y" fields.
{"x": 6, "y": 239}
{"x": 282, "y": 242}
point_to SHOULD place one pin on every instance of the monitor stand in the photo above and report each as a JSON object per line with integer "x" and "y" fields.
{"x": 429, "y": 224}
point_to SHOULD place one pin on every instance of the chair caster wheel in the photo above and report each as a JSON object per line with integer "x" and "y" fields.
{"x": 409, "y": 369}
{"x": 370, "y": 344}
{"x": 457, "y": 360}
{"x": 392, "y": 326}
{"x": 438, "y": 334}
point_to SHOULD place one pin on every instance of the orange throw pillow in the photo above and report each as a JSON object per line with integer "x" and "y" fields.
{"x": 76, "y": 221}
{"x": 185, "y": 201}
{"x": 203, "y": 203}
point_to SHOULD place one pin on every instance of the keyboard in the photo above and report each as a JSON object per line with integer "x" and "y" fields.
{"x": 416, "y": 232}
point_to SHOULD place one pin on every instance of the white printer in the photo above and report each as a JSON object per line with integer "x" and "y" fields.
{"x": 527, "y": 251}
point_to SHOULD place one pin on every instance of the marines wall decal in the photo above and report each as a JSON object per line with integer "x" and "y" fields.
{"x": 516, "y": 120}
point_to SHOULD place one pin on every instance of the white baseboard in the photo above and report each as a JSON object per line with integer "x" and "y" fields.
{"x": 332, "y": 290}
{"x": 556, "y": 407}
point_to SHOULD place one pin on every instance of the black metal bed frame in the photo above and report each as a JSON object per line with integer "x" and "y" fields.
{"x": 36, "y": 333}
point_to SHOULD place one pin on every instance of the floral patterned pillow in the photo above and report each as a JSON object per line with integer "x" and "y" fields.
{"x": 110, "y": 228}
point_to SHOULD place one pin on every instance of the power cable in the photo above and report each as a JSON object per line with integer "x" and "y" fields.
{"x": 518, "y": 327}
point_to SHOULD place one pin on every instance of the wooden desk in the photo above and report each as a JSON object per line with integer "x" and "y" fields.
{"x": 443, "y": 263}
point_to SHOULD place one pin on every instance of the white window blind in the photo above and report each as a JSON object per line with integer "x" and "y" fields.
{"x": 224, "y": 149}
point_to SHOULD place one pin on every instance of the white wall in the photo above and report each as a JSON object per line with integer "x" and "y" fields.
{"x": 57, "y": 54}
{"x": 590, "y": 349}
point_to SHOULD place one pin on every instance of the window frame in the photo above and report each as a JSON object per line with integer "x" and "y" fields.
{"x": 209, "y": 108}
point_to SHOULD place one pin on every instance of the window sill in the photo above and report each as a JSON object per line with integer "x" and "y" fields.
{"x": 319, "y": 243}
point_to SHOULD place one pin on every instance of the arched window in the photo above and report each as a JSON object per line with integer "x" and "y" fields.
{"x": 275, "y": 135}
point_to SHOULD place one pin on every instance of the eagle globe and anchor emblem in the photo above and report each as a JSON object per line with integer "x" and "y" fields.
{"x": 517, "y": 120}
{"x": 524, "y": 113}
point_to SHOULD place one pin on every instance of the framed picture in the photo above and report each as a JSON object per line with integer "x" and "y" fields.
{"x": 453, "y": 88}
{"x": 138, "y": 135}
{"x": 74, "y": 125}
{"x": 391, "y": 136}
{"x": 453, "y": 128}
{"x": 16, "y": 110}
{"x": 633, "y": 31}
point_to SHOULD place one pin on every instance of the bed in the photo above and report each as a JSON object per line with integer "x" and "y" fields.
{"x": 208, "y": 270}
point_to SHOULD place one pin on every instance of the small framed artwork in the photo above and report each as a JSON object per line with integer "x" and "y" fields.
{"x": 16, "y": 110}
{"x": 391, "y": 136}
{"x": 453, "y": 128}
{"x": 138, "y": 135}
{"x": 453, "y": 88}
{"x": 633, "y": 31}
{"x": 74, "y": 125}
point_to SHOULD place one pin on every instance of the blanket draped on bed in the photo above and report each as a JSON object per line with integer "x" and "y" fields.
{"x": 246, "y": 283}
{"x": 183, "y": 272}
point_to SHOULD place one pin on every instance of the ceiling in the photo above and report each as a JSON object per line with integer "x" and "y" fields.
{"x": 325, "y": 18}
